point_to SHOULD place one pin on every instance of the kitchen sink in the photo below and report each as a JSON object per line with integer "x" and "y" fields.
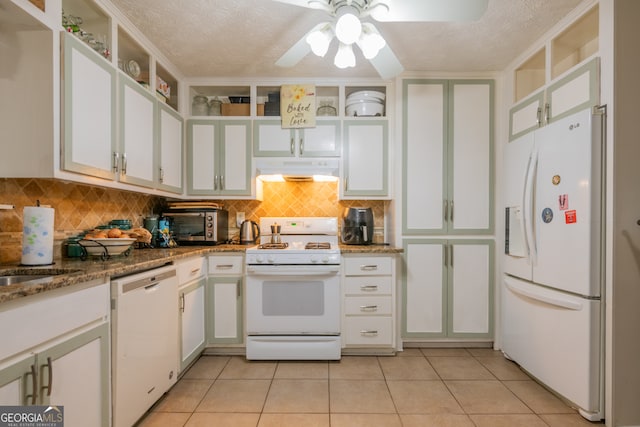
{"x": 23, "y": 279}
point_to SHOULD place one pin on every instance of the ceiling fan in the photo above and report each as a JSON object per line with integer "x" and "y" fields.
{"x": 348, "y": 27}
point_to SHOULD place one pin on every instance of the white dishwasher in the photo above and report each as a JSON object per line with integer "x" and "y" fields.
{"x": 144, "y": 335}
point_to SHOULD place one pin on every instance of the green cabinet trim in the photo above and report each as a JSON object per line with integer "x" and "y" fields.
{"x": 347, "y": 161}
{"x": 593, "y": 69}
{"x": 198, "y": 283}
{"x": 535, "y": 103}
{"x": 162, "y": 107}
{"x": 210, "y": 304}
{"x": 296, "y": 138}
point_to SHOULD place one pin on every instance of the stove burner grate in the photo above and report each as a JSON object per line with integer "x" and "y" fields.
{"x": 282, "y": 245}
{"x": 318, "y": 245}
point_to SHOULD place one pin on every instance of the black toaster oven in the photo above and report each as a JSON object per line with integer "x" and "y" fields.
{"x": 198, "y": 226}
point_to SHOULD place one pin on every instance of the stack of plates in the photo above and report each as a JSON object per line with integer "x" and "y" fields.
{"x": 365, "y": 103}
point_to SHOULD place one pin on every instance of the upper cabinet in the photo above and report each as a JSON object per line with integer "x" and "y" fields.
{"x": 271, "y": 140}
{"x": 448, "y": 156}
{"x": 559, "y": 79}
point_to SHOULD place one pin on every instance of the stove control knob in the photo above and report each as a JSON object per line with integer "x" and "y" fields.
{"x": 270, "y": 259}
{"x": 325, "y": 259}
{"x": 313, "y": 259}
{"x": 259, "y": 259}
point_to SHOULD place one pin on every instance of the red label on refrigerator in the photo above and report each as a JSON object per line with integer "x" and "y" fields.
{"x": 570, "y": 217}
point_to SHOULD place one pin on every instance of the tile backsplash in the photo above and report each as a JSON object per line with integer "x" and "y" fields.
{"x": 79, "y": 207}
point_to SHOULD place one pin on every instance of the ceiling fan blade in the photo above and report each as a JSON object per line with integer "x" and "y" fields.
{"x": 430, "y": 10}
{"x": 299, "y": 50}
{"x": 386, "y": 63}
{"x": 301, "y": 3}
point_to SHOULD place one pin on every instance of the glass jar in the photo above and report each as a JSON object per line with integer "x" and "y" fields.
{"x": 215, "y": 107}
{"x": 199, "y": 106}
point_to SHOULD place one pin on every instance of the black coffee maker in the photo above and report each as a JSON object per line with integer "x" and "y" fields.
{"x": 357, "y": 226}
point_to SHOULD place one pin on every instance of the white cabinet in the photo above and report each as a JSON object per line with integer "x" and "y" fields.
{"x": 369, "y": 301}
{"x": 365, "y": 159}
{"x": 224, "y": 300}
{"x": 89, "y": 111}
{"x": 448, "y": 157}
{"x": 271, "y": 140}
{"x": 447, "y": 289}
{"x": 191, "y": 294}
{"x": 61, "y": 356}
{"x": 137, "y": 139}
{"x": 170, "y": 142}
{"x": 574, "y": 92}
{"x": 219, "y": 157}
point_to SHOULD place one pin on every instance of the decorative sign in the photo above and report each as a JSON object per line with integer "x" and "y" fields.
{"x": 298, "y": 106}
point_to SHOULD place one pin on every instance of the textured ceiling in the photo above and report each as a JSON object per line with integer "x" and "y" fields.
{"x": 244, "y": 38}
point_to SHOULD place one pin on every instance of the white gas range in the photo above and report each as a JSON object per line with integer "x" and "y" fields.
{"x": 293, "y": 291}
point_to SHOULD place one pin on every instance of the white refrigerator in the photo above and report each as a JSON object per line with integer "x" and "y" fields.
{"x": 552, "y": 301}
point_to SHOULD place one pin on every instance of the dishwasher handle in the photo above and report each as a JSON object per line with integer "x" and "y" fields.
{"x": 148, "y": 282}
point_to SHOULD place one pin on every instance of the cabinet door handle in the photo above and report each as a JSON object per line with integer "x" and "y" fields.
{"x": 369, "y": 287}
{"x": 346, "y": 184}
{"x": 293, "y": 146}
{"x": 451, "y": 256}
{"x": 161, "y": 175}
{"x": 369, "y": 267}
{"x": 546, "y": 113}
{"x": 539, "y": 117}
{"x": 445, "y": 208}
{"x": 451, "y": 212}
{"x": 445, "y": 249}
{"x": 221, "y": 182}
{"x": 215, "y": 182}
{"x": 368, "y": 308}
{"x": 34, "y": 385}
{"x": 124, "y": 164}
{"x": 116, "y": 161}
{"x": 366, "y": 332}
{"x": 182, "y": 302}
{"x": 301, "y": 146}
{"x": 49, "y": 366}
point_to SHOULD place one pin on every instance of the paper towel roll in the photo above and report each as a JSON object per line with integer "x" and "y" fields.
{"x": 37, "y": 235}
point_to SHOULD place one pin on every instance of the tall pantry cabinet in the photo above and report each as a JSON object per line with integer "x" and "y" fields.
{"x": 447, "y": 209}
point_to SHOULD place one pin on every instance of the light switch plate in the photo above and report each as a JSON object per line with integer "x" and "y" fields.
{"x": 239, "y": 218}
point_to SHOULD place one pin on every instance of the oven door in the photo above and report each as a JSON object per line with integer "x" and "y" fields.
{"x": 293, "y": 300}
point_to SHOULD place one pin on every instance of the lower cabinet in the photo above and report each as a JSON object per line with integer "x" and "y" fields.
{"x": 191, "y": 306}
{"x": 448, "y": 289}
{"x": 369, "y": 301}
{"x": 224, "y": 312}
{"x": 69, "y": 365}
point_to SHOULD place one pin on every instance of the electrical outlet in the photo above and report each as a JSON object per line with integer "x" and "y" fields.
{"x": 239, "y": 218}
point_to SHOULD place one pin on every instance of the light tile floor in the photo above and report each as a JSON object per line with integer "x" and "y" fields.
{"x": 416, "y": 388}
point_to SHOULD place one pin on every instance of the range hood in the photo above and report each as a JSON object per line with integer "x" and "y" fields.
{"x": 297, "y": 169}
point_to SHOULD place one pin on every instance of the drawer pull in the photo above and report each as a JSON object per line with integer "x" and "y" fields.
{"x": 195, "y": 271}
{"x": 368, "y": 267}
{"x": 368, "y": 308}
{"x": 224, "y": 266}
{"x": 370, "y": 332}
{"x": 369, "y": 287}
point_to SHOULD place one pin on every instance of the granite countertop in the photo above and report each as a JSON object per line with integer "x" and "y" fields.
{"x": 71, "y": 271}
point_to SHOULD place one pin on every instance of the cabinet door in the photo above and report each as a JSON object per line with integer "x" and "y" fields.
{"x": 170, "y": 143}
{"x": 526, "y": 116}
{"x": 137, "y": 140}
{"x": 18, "y": 381}
{"x": 192, "y": 322}
{"x": 470, "y": 288}
{"x": 270, "y": 140}
{"x": 470, "y": 157}
{"x": 75, "y": 374}
{"x": 202, "y": 157}
{"x": 224, "y": 310}
{"x": 574, "y": 92}
{"x": 425, "y": 134}
{"x": 89, "y": 111}
{"x": 320, "y": 141}
{"x": 366, "y": 165}
{"x": 234, "y": 158}
{"x": 424, "y": 289}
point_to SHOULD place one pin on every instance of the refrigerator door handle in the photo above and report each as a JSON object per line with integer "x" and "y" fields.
{"x": 566, "y": 303}
{"x": 528, "y": 216}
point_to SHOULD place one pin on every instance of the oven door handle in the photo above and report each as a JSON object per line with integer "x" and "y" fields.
{"x": 292, "y": 271}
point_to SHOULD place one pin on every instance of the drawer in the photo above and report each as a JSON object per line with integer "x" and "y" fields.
{"x": 364, "y": 285}
{"x": 368, "y": 331}
{"x": 190, "y": 269}
{"x": 367, "y": 266}
{"x": 368, "y": 306}
{"x": 225, "y": 264}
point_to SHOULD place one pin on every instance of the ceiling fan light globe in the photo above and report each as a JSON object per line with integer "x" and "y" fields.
{"x": 348, "y": 28}
{"x": 319, "y": 42}
{"x": 345, "y": 57}
{"x": 370, "y": 41}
